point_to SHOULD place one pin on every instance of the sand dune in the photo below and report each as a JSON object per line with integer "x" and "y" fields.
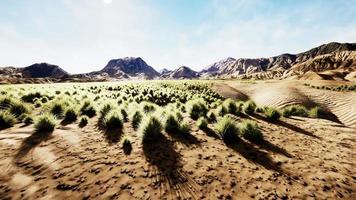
{"x": 284, "y": 93}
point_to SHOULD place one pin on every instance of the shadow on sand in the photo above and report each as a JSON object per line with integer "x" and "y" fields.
{"x": 167, "y": 169}
{"x": 31, "y": 142}
{"x": 184, "y": 138}
{"x": 254, "y": 155}
{"x": 286, "y": 125}
{"x": 113, "y": 135}
{"x": 210, "y": 132}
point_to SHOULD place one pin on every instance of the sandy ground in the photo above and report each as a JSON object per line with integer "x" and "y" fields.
{"x": 301, "y": 158}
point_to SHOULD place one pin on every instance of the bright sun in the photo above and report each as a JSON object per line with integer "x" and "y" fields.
{"x": 107, "y": 1}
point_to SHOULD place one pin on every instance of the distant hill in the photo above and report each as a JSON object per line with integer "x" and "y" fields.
{"x": 282, "y": 66}
{"x": 182, "y": 72}
{"x": 44, "y": 70}
{"x": 129, "y": 67}
{"x": 332, "y": 61}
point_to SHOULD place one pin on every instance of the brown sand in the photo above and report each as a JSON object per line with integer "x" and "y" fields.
{"x": 301, "y": 158}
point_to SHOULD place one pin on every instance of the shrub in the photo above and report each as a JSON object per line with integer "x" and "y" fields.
{"x": 202, "y": 123}
{"x": 136, "y": 119}
{"x": 211, "y": 116}
{"x": 295, "y": 110}
{"x": 272, "y": 114}
{"x": 260, "y": 109}
{"x": 230, "y": 106}
{"x": 57, "y": 109}
{"x": 70, "y": 115}
{"x": 105, "y": 110}
{"x": 316, "y": 112}
{"x": 250, "y": 131}
{"x": 124, "y": 114}
{"x": 83, "y": 121}
{"x": 45, "y": 123}
{"x": 27, "y": 119}
{"x": 221, "y": 110}
{"x": 17, "y": 108}
{"x": 148, "y": 107}
{"x": 150, "y": 129}
{"x": 31, "y": 96}
{"x": 171, "y": 123}
{"x": 184, "y": 128}
{"x": 227, "y": 129}
{"x": 87, "y": 109}
{"x": 197, "y": 108}
{"x": 6, "y": 119}
{"x": 112, "y": 120}
{"x": 126, "y": 146}
{"x": 249, "y": 107}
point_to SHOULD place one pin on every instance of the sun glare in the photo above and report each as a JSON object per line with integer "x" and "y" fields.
{"x": 107, "y": 1}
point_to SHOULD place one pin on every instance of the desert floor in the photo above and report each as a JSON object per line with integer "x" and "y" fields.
{"x": 301, "y": 158}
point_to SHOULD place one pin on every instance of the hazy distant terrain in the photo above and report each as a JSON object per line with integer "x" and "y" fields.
{"x": 332, "y": 61}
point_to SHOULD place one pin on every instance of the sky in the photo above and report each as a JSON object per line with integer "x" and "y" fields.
{"x": 83, "y": 35}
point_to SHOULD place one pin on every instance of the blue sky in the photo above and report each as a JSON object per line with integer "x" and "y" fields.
{"x": 83, "y": 35}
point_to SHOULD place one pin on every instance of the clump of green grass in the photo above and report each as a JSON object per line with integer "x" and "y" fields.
{"x": 272, "y": 114}
{"x": 7, "y": 119}
{"x": 221, "y": 110}
{"x": 173, "y": 125}
{"x": 227, "y": 129}
{"x": 211, "y": 117}
{"x": 88, "y": 109}
{"x": 18, "y": 108}
{"x": 151, "y": 129}
{"x": 249, "y": 107}
{"x": 127, "y": 146}
{"x": 112, "y": 120}
{"x": 316, "y": 112}
{"x": 83, "y": 121}
{"x": 31, "y": 96}
{"x": 57, "y": 109}
{"x": 148, "y": 107}
{"x": 231, "y": 106}
{"x": 250, "y": 130}
{"x": 202, "y": 123}
{"x": 70, "y": 115}
{"x": 45, "y": 123}
{"x": 295, "y": 110}
{"x": 197, "y": 108}
{"x": 27, "y": 119}
{"x": 136, "y": 119}
{"x": 124, "y": 114}
{"x": 260, "y": 109}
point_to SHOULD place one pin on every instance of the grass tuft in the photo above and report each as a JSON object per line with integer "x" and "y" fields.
{"x": 151, "y": 129}
{"x": 250, "y": 130}
{"x": 227, "y": 129}
{"x": 7, "y": 119}
{"x": 45, "y": 123}
{"x": 295, "y": 110}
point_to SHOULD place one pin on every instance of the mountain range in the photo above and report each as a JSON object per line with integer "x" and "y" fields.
{"x": 329, "y": 61}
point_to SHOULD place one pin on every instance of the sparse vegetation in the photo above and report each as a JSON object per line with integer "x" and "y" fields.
{"x": 150, "y": 129}
{"x": 272, "y": 114}
{"x": 197, "y": 108}
{"x": 249, "y": 107}
{"x": 83, "y": 121}
{"x": 227, "y": 129}
{"x": 295, "y": 110}
{"x": 6, "y": 119}
{"x": 45, "y": 123}
{"x": 250, "y": 130}
{"x": 70, "y": 115}
{"x": 112, "y": 120}
{"x": 202, "y": 123}
{"x": 316, "y": 112}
